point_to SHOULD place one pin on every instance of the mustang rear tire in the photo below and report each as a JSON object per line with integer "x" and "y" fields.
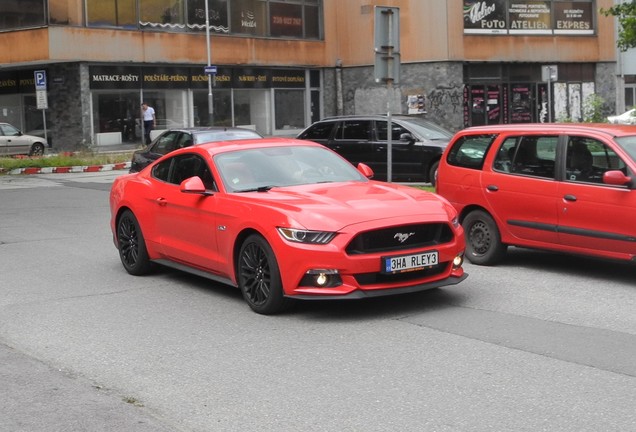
{"x": 259, "y": 277}
{"x": 131, "y": 245}
{"x": 483, "y": 241}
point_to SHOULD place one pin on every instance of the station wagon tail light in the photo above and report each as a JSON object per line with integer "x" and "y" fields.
{"x": 321, "y": 278}
{"x": 306, "y": 236}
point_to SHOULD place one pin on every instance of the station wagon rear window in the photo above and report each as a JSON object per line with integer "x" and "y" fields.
{"x": 470, "y": 151}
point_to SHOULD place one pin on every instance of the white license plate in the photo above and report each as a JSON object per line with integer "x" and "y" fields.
{"x": 404, "y": 263}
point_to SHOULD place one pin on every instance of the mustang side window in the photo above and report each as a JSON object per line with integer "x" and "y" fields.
{"x": 191, "y": 165}
{"x": 469, "y": 151}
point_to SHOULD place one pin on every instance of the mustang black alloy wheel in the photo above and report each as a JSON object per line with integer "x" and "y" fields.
{"x": 483, "y": 241}
{"x": 131, "y": 245}
{"x": 259, "y": 277}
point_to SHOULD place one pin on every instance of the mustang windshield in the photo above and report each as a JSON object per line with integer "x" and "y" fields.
{"x": 253, "y": 169}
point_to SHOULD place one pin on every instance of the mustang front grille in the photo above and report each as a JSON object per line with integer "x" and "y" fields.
{"x": 400, "y": 238}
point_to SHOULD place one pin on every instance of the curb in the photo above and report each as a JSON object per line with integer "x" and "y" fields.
{"x": 70, "y": 169}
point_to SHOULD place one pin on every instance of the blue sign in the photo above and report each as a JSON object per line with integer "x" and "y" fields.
{"x": 210, "y": 70}
{"x": 40, "y": 79}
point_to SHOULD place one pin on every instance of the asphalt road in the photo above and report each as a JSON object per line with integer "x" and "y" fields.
{"x": 544, "y": 342}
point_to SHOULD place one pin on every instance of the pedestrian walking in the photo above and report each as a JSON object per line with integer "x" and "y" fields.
{"x": 148, "y": 115}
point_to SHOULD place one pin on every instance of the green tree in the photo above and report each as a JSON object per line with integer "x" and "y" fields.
{"x": 626, "y": 15}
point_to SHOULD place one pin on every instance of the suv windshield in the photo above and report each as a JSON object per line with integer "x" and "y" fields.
{"x": 427, "y": 129}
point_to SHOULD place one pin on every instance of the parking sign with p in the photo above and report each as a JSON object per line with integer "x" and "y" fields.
{"x": 40, "y": 79}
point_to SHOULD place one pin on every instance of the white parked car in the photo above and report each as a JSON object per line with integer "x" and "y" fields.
{"x": 14, "y": 142}
{"x": 628, "y": 118}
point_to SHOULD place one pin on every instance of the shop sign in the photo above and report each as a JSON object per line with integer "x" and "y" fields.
{"x": 527, "y": 17}
{"x": 573, "y": 18}
{"x": 165, "y": 77}
{"x": 114, "y": 77}
{"x": 9, "y": 83}
{"x": 222, "y": 79}
{"x": 251, "y": 78}
{"x": 485, "y": 16}
{"x": 287, "y": 78}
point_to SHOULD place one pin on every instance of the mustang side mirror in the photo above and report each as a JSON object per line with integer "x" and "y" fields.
{"x": 193, "y": 185}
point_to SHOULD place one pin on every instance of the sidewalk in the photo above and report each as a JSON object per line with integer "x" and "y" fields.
{"x": 107, "y": 149}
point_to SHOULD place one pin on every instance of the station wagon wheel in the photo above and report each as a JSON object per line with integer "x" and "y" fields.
{"x": 37, "y": 149}
{"x": 259, "y": 277}
{"x": 131, "y": 245}
{"x": 483, "y": 241}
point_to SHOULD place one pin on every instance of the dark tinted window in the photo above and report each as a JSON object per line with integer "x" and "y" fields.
{"x": 191, "y": 165}
{"x": 166, "y": 143}
{"x": 470, "y": 151}
{"x": 396, "y": 131}
{"x": 354, "y": 130}
{"x": 320, "y": 131}
{"x": 21, "y": 14}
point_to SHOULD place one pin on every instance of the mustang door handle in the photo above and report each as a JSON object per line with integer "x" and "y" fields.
{"x": 569, "y": 197}
{"x": 161, "y": 201}
{"x": 492, "y": 188}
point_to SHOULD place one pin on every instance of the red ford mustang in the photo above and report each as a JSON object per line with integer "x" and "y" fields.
{"x": 284, "y": 219}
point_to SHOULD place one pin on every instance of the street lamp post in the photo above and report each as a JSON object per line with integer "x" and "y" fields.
{"x": 210, "y": 76}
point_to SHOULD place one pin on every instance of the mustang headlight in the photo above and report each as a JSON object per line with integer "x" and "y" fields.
{"x": 306, "y": 236}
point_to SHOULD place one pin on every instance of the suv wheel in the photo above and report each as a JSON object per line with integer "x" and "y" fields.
{"x": 432, "y": 173}
{"x": 483, "y": 241}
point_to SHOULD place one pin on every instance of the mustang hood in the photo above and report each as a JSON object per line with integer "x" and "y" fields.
{"x": 333, "y": 206}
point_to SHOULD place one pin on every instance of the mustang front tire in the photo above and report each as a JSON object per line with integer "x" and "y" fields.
{"x": 259, "y": 277}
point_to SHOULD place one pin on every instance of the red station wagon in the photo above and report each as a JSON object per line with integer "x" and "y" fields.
{"x": 562, "y": 187}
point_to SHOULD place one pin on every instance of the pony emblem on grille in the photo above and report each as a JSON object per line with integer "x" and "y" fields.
{"x": 402, "y": 237}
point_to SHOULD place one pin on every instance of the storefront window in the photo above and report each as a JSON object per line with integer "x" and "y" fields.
{"x": 217, "y": 16}
{"x": 289, "y": 109}
{"x": 66, "y": 12}
{"x": 115, "y": 111}
{"x": 222, "y": 108}
{"x": 312, "y": 22}
{"x": 111, "y": 13}
{"x": 170, "y": 108}
{"x": 22, "y": 14}
{"x": 286, "y": 20}
{"x": 249, "y": 17}
{"x": 251, "y": 109}
{"x": 521, "y": 103}
{"x": 167, "y": 15}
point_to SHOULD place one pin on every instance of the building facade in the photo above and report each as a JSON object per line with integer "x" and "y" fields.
{"x": 278, "y": 65}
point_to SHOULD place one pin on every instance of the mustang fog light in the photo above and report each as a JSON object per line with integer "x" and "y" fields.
{"x": 458, "y": 261}
{"x": 321, "y": 278}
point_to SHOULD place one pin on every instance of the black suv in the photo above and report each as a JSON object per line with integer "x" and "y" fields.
{"x": 417, "y": 144}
